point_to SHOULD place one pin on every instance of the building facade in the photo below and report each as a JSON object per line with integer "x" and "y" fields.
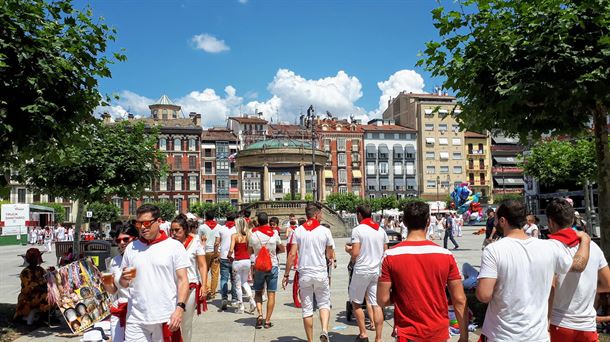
{"x": 478, "y": 164}
{"x": 218, "y": 174}
{"x": 390, "y": 153}
{"x": 507, "y": 175}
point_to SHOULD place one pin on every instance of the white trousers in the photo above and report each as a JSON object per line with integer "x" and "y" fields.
{"x": 116, "y": 330}
{"x": 186, "y": 327}
{"x": 308, "y": 286}
{"x": 241, "y": 269}
{"x": 136, "y": 332}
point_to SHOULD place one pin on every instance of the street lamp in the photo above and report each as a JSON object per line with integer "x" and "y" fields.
{"x": 311, "y": 124}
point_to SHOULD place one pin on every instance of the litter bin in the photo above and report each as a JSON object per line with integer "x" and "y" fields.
{"x": 98, "y": 251}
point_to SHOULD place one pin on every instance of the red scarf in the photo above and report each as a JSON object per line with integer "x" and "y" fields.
{"x": 369, "y": 222}
{"x": 264, "y": 229}
{"x": 162, "y": 236}
{"x": 169, "y": 336}
{"x": 247, "y": 219}
{"x": 188, "y": 240}
{"x": 202, "y": 305}
{"x": 230, "y": 224}
{"x": 293, "y": 227}
{"x": 567, "y": 236}
{"x": 211, "y": 223}
{"x": 311, "y": 224}
{"x": 120, "y": 312}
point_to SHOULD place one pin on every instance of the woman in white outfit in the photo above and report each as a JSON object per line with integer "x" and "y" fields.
{"x": 197, "y": 272}
{"x": 530, "y": 228}
{"x": 126, "y": 234}
{"x": 48, "y": 239}
{"x": 241, "y": 264}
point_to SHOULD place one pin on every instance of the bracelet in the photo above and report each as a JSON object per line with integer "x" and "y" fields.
{"x": 286, "y": 275}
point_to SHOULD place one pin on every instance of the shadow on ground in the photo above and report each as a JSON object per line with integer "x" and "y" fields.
{"x": 11, "y": 330}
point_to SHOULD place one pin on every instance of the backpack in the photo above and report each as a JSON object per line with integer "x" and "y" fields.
{"x": 263, "y": 259}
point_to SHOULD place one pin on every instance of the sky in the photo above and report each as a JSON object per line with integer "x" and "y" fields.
{"x": 231, "y": 57}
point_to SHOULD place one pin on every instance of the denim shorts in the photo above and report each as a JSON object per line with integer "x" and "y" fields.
{"x": 268, "y": 278}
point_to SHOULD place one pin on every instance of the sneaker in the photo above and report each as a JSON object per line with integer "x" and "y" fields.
{"x": 240, "y": 309}
{"x": 324, "y": 337}
{"x": 224, "y": 305}
{"x": 252, "y": 307}
{"x": 264, "y": 298}
{"x": 456, "y": 247}
{"x": 235, "y": 302}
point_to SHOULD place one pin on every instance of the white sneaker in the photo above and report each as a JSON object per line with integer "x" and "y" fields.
{"x": 324, "y": 337}
{"x": 240, "y": 310}
{"x": 252, "y": 307}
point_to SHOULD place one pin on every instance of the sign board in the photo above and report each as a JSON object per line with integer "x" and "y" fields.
{"x": 15, "y": 214}
{"x": 89, "y": 214}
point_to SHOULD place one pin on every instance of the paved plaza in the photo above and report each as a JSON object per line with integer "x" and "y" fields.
{"x": 230, "y": 326}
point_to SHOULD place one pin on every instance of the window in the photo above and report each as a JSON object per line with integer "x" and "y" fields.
{"x": 370, "y": 168}
{"x": 163, "y": 184}
{"x": 233, "y": 183}
{"x": 341, "y": 159}
{"x": 208, "y": 168}
{"x": 383, "y": 168}
{"x": 342, "y": 176}
{"x": 355, "y": 145}
{"x": 192, "y": 183}
{"x": 429, "y": 127}
{"x": 457, "y": 155}
{"x": 430, "y": 184}
{"x": 340, "y": 144}
{"x": 192, "y": 201}
{"x": 429, "y": 112}
{"x": 221, "y": 184}
{"x": 177, "y": 162}
{"x": 343, "y": 189}
{"x": 327, "y": 145}
{"x": 355, "y": 157}
{"x": 443, "y": 141}
{"x": 178, "y": 204}
{"x": 208, "y": 186}
{"x": 164, "y": 116}
{"x": 381, "y": 135}
{"x": 455, "y": 127}
{"x": 410, "y": 168}
{"x": 222, "y": 149}
{"x": 442, "y": 127}
{"x": 457, "y": 169}
{"x": 132, "y": 207}
{"x": 430, "y": 169}
{"x": 177, "y": 144}
{"x": 398, "y": 168}
{"x": 207, "y": 152}
{"x": 178, "y": 183}
{"x": 21, "y": 195}
{"x": 444, "y": 169}
{"x": 444, "y": 155}
{"x": 279, "y": 186}
{"x": 192, "y": 144}
{"x": 163, "y": 144}
{"x": 456, "y": 141}
{"x": 51, "y": 199}
{"x": 429, "y": 142}
{"x": 118, "y": 202}
{"x": 192, "y": 162}
{"x": 444, "y": 184}
{"x": 429, "y": 155}
{"x": 222, "y": 165}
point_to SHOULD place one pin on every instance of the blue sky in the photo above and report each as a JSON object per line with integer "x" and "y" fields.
{"x": 222, "y": 58}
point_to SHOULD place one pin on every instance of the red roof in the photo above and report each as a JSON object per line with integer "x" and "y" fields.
{"x": 248, "y": 120}
{"x": 469, "y": 134}
{"x": 214, "y": 134}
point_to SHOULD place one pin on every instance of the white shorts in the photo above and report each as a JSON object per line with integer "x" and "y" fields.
{"x": 308, "y": 286}
{"x": 138, "y": 332}
{"x": 363, "y": 285}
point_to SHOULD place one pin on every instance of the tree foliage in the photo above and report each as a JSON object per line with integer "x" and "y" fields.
{"x": 220, "y": 209}
{"x": 103, "y": 212}
{"x": 343, "y": 202}
{"x": 559, "y": 161}
{"x": 167, "y": 209}
{"x": 505, "y": 197}
{"x": 52, "y": 57}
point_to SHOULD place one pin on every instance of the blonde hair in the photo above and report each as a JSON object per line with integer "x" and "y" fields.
{"x": 242, "y": 226}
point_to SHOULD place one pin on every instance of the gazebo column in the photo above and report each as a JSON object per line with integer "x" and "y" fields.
{"x": 293, "y": 191}
{"x": 302, "y": 182}
{"x": 266, "y": 183}
{"x": 261, "y": 186}
{"x": 322, "y": 185}
{"x": 240, "y": 190}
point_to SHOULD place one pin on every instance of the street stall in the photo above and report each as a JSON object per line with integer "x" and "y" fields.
{"x": 17, "y": 219}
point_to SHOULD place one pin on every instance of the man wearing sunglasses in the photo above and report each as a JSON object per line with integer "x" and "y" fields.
{"x": 155, "y": 272}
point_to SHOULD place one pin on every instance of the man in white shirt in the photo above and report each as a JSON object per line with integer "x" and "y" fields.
{"x": 573, "y": 295}
{"x": 155, "y": 271}
{"x": 226, "y": 266}
{"x": 60, "y": 233}
{"x": 208, "y": 233}
{"x": 516, "y": 278}
{"x": 314, "y": 243}
{"x": 367, "y": 246}
{"x": 70, "y": 233}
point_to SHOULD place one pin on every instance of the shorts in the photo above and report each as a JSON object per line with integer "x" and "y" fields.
{"x": 363, "y": 285}
{"x": 559, "y": 334}
{"x": 308, "y": 286}
{"x": 139, "y": 332}
{"x": 266, "y": 278}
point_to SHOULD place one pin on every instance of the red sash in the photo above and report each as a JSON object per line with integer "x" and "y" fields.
{"x": 369, "y": 222}
{"x": 311, "y": 224}
{"x": 202, "y": 305}
{"x": 169, "y": 336}
{"x": 162, "y": 236}
{"x": 120, "y": 312}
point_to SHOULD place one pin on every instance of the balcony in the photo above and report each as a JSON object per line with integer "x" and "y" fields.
{"x": 476, "y": 167}
{"x": 507, "y": 169}
{"x": 480, "y": 183}
{"x": 508, "y": 191}
{"x": 356, "y": 164}
{"x": 476, "y": 154}
{"x": 507, "y": 148}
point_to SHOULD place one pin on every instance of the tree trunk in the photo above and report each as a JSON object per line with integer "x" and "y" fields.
{"x": 79, "y": 221}
{"x": 603, "y": 178}
{"x": 588, "y": 215}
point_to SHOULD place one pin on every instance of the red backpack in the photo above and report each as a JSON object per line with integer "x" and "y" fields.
{"x": 263, "y": 259}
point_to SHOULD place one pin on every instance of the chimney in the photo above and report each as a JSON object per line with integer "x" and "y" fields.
{"x": 196, "y": 118}
{"x": 106, "y": 118}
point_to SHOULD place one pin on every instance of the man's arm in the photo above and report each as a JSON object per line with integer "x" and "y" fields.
{"x": 603, "y": 279}
{"x": 183, "y": 292}
{"x": 355, "y": 251}
{"x": 203, "y": 273}
{"x": 485, "y": 289}
{"x": 581, "y": 258}
{"x": 289, "y": 261}
{"x": 551, "y": 298}
{"x": 384, "y": 297}
{"x": 458, "y": 298}
{"x": 216, "y": 245}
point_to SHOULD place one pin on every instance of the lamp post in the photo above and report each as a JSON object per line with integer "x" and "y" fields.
{"x": 311, "y": 124}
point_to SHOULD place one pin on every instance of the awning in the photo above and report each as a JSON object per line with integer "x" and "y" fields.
{"x": 504, "y": 140}
{"x": 384, "y": 181}
{"x": 328, "y": 174}
{"x": 444, "y": 155}
{"x": 356, "y": 174}
{"x": 428, "y": 111}
{"x": 370, "y": 148}
{"x": 506, "y": 160}
{"x": 429, "y": 140}
{"x": 457, "y": 111}
{"x": 443, "y": 111}
{"x": 443, "y": 141}
{"x": 509, "y": 181}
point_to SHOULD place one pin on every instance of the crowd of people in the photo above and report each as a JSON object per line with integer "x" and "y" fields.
{"x": 48, "y": 235}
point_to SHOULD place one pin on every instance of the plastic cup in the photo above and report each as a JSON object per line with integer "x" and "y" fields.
{"x": 107, "y": 278}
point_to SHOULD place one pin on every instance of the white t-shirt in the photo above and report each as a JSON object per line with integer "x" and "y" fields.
{"x": 210, "y": 235}
{"x": 529, "y": 229}
{"x": 258, "y": 239}
{"x": 166, "y": 226}
{"x": 524, "y": 271}
{"x": 60, "y": 233}
{"x": 225, "y": 234}
{"x": 153, "y": 293}
{"x": 194, "y": 249}
{"x": 312, "y": 250}
{"x": 122, "y": 294}
{"x": 372, "y": 243}
{"x": 575, "y": 293}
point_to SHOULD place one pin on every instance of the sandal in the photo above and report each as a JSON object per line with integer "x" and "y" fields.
{"x": 268, "y": 325}
{"x": 259, "y": 322}
{"x": 370, "y": 327}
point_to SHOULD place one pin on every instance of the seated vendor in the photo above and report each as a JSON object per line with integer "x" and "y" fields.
{"x": 32, "y": 299}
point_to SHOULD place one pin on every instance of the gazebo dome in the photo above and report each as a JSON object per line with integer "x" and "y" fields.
{"x": 278, "y": 143}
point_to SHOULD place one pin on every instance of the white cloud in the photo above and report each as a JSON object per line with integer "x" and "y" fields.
{"x": 407, "y": 80}
{"x": 128, "y": 102}
{"x": 209, "y": 43}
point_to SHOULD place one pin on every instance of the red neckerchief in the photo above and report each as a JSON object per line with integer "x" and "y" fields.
{"x": 311, "y": 224}
{"x": 162, "y": 236}
{"x": 369, "y": 222}
{"x": 264, "y": 229}
{"x": 211, "y": 223}
{"x": 293, "y": 227}
{"x": 230, "y": 224}
{"x": 187, "y": 242}
{"x": 247, "y": 219}
{"x": 567, "y": 236}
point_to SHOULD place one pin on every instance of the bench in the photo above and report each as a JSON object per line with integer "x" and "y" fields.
{"x": 62, "y": 247}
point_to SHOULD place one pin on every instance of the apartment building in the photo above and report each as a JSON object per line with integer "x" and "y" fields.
{"x": 478, "y": 164}
{"x": 218, "y": 173}
{"x": 390, "y": 159}
{"x": 507, "y": 175}
{"x": 440, "y": 156}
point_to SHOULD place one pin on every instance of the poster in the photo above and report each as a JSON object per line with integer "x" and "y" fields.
{"x": 77, "y": 289}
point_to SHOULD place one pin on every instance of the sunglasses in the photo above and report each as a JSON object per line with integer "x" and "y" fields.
{"x": 123, "y": 240}
{"x": 145, "y": 224}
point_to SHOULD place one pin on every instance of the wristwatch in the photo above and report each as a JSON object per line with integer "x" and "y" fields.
{"x": 286, "y": 275}
{"x": 182, "y": 305}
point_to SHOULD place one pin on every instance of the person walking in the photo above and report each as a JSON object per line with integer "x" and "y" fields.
{"x": 290, "y": 226}
{"x": 431, "y": 228}
{"x": 573, "y": 294}
{"x": 71, "y": 233}
{"x": 414, "y": 276}
{"x": 239, "y": 251}
{"x": 208, "y": 233}
{"x": 48, "y": 239}
{"x": 366, "y": 250}
{"x": 449, "y": 225}
{"x": 489, "y": 227}
{"x": 158, "y": 294}
{"x": 265, "y": 241}
{"x": 516, "y": 276}
{"x": 530, "y": 228}
{"x": 197, "y": 272}
{"x": 60, "y": 233}
{"x": 314, "y": 244}
{"x": 225, "y": 235}
{"x": 125, "y": 235}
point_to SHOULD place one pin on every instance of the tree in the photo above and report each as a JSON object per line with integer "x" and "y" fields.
{"x": 105, "y": 161}
{"x": 529, "y": 68}
{"x": 403, "y": 201}
{"x": 167, "y": 209}
{"x": 200, "y": 208}
{"x": 60, "y": 211}
{"x": 504, "y": 197}
{"x": 52, "y": 57}
{"x": 103, "y": 211}
{"x": 343, "y": 202}
{"x": 223, "y": 208}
